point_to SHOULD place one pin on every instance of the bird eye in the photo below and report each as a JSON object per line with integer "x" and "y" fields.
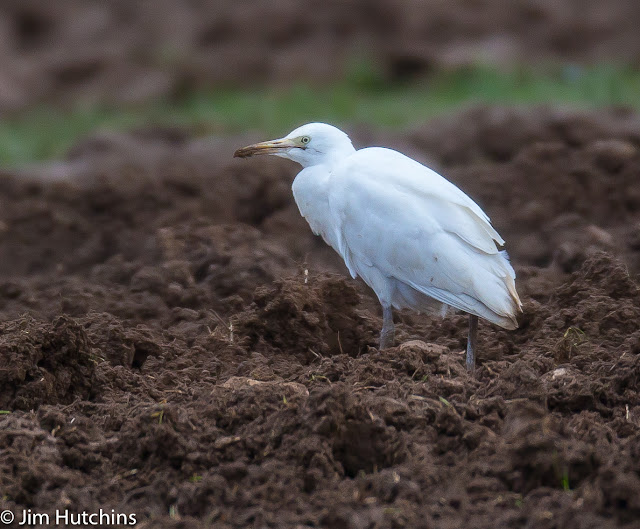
{"x": 305, "y": 140}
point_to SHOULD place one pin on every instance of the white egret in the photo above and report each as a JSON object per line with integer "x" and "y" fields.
{"x": 416, "y": 239}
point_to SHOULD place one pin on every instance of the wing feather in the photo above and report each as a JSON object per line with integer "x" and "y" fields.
{"x": 407, "y": 222}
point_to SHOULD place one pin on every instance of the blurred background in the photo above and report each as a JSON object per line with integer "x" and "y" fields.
{"x": 70, "y": 67}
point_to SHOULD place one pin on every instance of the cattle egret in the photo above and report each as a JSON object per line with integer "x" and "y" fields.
{"x": 416, "y": 239}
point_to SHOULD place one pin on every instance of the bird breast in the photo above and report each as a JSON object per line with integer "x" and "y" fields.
{"x": 311, "y": 193}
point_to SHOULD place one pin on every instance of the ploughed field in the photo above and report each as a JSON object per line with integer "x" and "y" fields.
{"x": 175, "y": 343}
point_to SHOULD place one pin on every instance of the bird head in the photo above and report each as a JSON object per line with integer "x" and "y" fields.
{"x": 310, "y": 144}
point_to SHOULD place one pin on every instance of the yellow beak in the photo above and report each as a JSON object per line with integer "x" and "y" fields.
{"x": 265, "y": 147}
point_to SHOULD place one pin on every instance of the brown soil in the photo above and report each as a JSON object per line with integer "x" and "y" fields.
{"x": 119, "y": 51}
{"x": 164, "y": 353}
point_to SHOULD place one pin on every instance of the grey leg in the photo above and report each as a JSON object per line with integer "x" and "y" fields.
{"x": 471, "y": 342}
{"x": 388, "y": 333}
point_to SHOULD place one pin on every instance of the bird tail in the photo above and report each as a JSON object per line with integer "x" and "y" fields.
{"x": 505, "y": 306}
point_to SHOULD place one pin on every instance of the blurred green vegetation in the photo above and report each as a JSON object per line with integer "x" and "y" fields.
{"x": 361, "y": 97}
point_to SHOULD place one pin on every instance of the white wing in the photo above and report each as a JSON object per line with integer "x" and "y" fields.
{"x": 398, "y": 219}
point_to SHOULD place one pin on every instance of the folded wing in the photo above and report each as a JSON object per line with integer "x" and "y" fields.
{"x": 407, "y": 222}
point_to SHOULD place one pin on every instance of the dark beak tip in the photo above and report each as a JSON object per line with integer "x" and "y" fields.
{"x": 241, "y": 153}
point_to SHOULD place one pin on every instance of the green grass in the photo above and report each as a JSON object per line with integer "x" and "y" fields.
{"x": 362, "y": 97}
